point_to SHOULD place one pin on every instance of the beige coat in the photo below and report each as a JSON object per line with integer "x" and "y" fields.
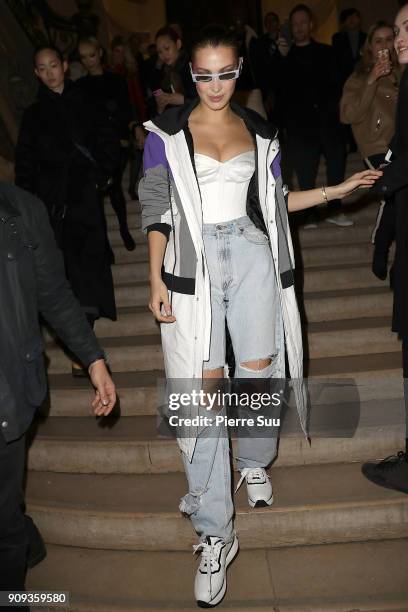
{"x": 370, "y": 109}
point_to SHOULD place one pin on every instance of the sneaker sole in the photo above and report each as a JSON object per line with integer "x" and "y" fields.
{"x": 380, "y": 483}
{"x": 261, "y": 503}
{"x": 233, "y": 551}
{"x": 339, "y": 224}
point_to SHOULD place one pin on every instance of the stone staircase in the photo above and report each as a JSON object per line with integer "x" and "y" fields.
{"x": 106, "y": 498}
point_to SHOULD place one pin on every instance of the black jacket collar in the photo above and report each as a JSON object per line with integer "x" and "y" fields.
{"x": 45, "y": 93}
{"x": 175, "y": 119}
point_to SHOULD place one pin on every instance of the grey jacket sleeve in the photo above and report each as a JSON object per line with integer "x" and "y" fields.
{"x": 154, "y": 187}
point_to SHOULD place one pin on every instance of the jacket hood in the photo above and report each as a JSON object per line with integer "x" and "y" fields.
{"x": 175, "y": 119}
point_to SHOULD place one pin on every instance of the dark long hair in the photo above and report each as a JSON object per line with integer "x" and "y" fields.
{"x": 52, "y": 48}
{"x": 215, "y": 36}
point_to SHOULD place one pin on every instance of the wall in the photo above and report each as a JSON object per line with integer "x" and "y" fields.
{"x": 120, "y": 16}
{"x": 135, "y": 16}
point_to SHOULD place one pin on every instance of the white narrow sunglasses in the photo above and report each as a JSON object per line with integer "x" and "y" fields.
{"x": 222, "y": 76}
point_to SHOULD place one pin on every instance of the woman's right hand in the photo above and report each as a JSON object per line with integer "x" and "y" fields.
{"x": 381, "y": 68}
{"x": 158, "y": 296}
{"x": 283, "y": 46}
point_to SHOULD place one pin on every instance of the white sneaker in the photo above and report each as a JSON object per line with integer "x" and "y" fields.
{"x": 259, "y": 488}
{"x": 341, "y": 220}
{"x": 211, "y": 580}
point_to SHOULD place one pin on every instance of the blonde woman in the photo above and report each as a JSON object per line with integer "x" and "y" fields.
{"x": 369, "y": 104}
{"x": 370, "y": 95}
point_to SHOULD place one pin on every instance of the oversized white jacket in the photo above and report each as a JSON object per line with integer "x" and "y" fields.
{"x": 171, "y": 203}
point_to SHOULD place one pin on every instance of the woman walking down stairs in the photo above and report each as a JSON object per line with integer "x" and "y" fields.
{"x": 105, "y": 499}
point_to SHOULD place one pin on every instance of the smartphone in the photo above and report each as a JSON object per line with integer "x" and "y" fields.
{"x": 383, "y": 54}
{"x": 286, "y": 33}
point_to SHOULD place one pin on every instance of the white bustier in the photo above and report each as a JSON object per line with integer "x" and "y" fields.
{"x": 224, "y": 185}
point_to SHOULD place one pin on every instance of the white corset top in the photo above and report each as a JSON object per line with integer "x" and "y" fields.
{"x": 224, "y": 185}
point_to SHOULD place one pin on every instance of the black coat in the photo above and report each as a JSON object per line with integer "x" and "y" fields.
{"x": 109, "y": 96}
{"x": 310, "y": 92}
{"x": 395, "y": 182}
{"x": 32, "y": 281}
{"x": 64, "y": 149}
{"x": 346, "y": 60}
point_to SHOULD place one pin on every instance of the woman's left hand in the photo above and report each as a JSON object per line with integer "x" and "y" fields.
{"x": 360, "y": 180}
{"x": 163, "y": 100}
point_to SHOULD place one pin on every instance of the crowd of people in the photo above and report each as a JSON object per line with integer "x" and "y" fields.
{"x": 213, "y": 123}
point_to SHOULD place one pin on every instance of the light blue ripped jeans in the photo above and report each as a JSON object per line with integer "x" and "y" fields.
{"x": 244, "y": 293}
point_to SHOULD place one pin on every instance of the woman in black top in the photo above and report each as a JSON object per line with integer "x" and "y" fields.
{"x": 392, "y": 472}
{"x": 64, "y": 155}
{"x": 109, "y": 95}
{"x": 174, "y": 85}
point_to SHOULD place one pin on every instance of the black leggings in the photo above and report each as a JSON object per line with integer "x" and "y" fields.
{"x": 115, "y": 193}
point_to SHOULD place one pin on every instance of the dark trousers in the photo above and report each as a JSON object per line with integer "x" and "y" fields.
{"x": 115, "y": 193}
{"x": 305, "y": 153}
{"x": 405, "y": 375}
{"x": 385, "y": 225}
{"x": 13, "y": 534}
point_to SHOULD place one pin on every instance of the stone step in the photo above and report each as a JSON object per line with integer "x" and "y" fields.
{"x": 133, "y": 218}
{"x": 133, "y": 445}
{"x": 378, "y": 376}
{"x": 133, "y": 353}
{"x": 347, "y": 304}
{"x": 326, "y": 234}
{"x": 308, "y": 256}
{"x": 351, "y": 337}
{"x": 320, "y": 306}
{"x": 132, "y": 294}
{"x": 325, "y": 339}
{"x": 130, "y": 272}
{"x": 329, "y": 277}
{"x": 115, "y": 239}
{"x": 329, "y": 234}
{"x": 363, "y": 576}
{"x": 359, "y": 206}
{"x": 131, "y": 320}
{"x": 313, "y": 505}
{"x": 137, "y": 392}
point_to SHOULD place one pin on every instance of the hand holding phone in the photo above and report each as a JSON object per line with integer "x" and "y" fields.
{"x": 382, "y": 67}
